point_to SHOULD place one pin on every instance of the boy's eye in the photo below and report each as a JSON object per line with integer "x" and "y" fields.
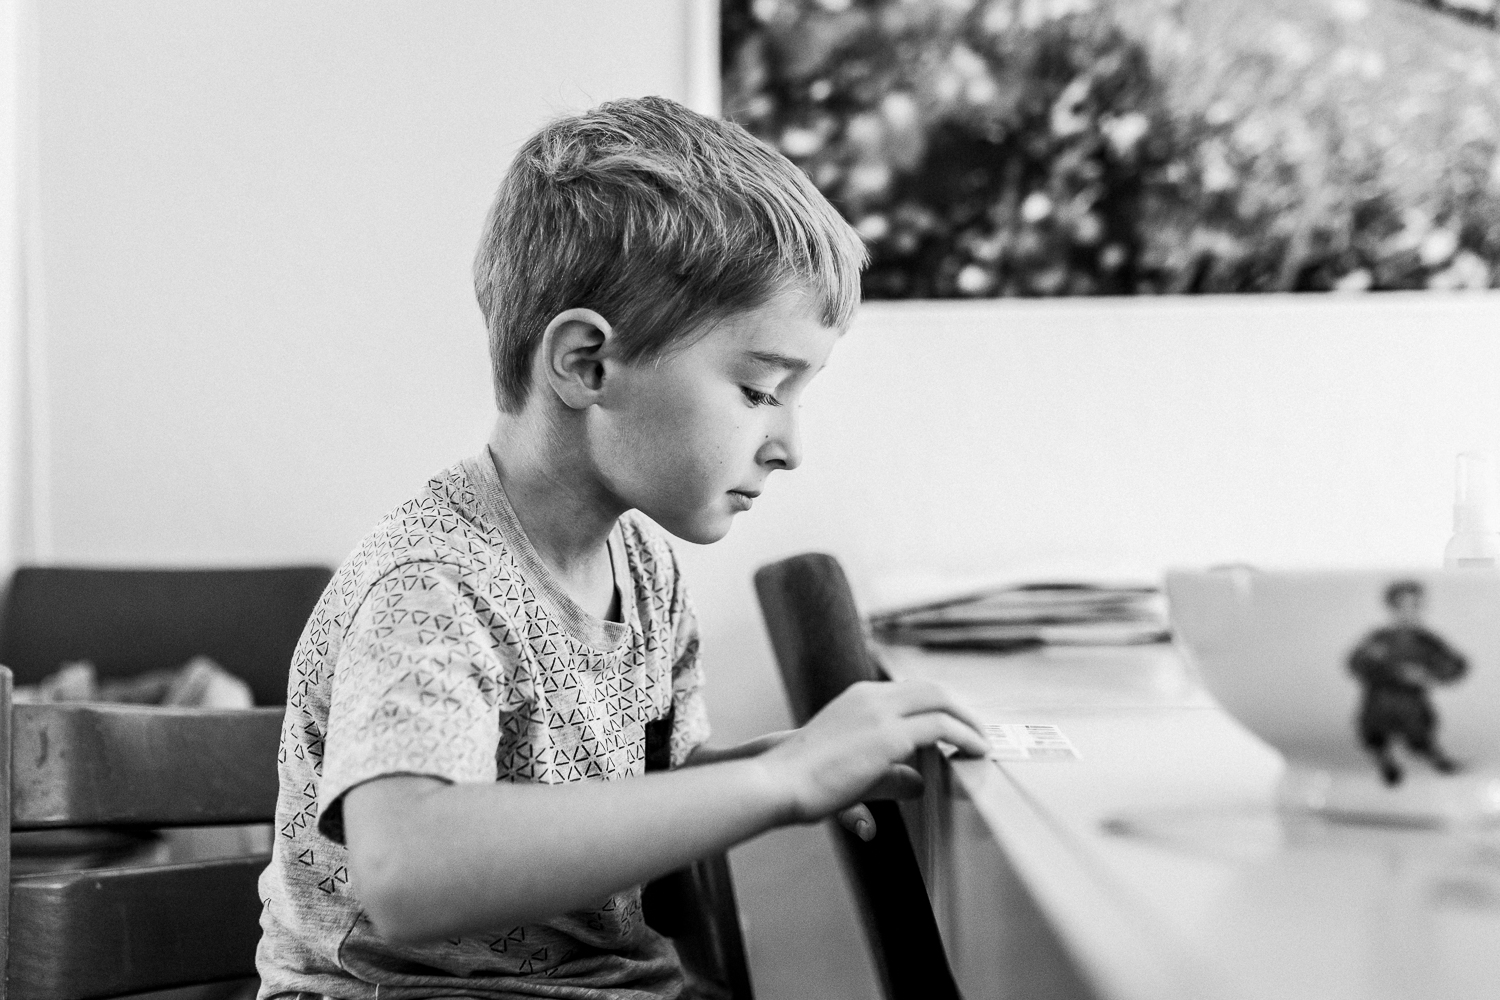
{"x": 757, "y": 398}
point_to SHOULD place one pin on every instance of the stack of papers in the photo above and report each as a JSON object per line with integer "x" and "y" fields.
{"x": 1031, "y": 614}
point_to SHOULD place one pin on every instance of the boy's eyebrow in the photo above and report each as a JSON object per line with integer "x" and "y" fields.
{"x": 775, "y": 359}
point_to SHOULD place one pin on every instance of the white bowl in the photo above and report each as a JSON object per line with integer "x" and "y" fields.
{"x": 1402, "y": 735}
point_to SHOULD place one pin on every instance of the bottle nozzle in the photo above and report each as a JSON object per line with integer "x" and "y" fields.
{"x": 1474, "y": 494}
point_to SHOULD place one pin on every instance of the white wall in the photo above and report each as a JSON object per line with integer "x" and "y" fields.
{"x": 257, "y": 226}
{"x": 259, "y": 219}
{"x": 14, "y": 122}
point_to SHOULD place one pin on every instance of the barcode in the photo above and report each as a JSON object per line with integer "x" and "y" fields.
{"x": 1029, "y": 741}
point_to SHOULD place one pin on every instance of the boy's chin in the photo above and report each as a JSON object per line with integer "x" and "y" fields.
{"x": 703, "y": 530}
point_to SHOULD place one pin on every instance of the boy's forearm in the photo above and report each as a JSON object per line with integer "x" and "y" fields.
{"x": 752, "y": 748}
{"x": 430, "y": 860}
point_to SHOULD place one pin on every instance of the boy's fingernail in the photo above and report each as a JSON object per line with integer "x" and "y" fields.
{"x": 863, "y": 829}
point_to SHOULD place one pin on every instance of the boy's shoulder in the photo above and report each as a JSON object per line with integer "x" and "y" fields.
{"x": 439, "y": 524}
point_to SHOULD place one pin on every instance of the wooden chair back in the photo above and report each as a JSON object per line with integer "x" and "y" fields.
{"x": 821, "y": 648}
{"x": 132, "y": 621}
{"x": 103, "y": 932}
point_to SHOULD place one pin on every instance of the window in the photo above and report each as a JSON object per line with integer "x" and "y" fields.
{"x": 1119, "y": 147}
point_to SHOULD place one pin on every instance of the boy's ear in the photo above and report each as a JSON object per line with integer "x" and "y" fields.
{"x": 573, "y": 350}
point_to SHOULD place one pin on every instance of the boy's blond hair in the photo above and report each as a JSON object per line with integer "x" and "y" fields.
{"x": 661, "y": 220}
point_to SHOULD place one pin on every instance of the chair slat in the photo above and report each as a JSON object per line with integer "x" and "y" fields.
{"x": 108, "y": 931}
{"x": 815, "y": 629}
{"x": 821, "y": 648}
{"x": 95, "y": 764}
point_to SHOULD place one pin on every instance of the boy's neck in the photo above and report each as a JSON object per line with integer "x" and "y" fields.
{"x": 548, "y": 484}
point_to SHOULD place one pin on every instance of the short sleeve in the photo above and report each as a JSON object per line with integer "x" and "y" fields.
{"x": 418, "y": 688}
{"x": 690, "y": 715}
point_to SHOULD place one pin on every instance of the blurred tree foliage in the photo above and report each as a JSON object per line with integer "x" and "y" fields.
{"x": 1080, "y": 147}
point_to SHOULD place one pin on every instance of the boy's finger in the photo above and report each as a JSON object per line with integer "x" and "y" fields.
{"x": 858, "y": 821}
{"x": 929, "y": 727}
{"x": 917, "y": 697}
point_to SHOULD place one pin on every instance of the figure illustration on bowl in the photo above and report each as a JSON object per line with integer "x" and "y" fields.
{"x": 1396, "y": 664}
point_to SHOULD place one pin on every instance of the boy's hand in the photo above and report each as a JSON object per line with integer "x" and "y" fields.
{"x": 855, "y": 748}
{"x": 900, "y": 782}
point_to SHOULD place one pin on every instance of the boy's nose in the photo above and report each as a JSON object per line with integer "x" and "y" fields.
{"x": 783, "y": 448}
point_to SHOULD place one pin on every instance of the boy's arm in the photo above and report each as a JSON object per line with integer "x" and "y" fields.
{"x": 705, "y": 754}
{"x": 430, "y": 860}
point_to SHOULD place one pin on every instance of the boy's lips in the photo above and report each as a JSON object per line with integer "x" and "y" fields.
{"x": 744, "y": 498}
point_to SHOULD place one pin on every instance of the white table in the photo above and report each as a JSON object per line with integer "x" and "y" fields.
{"x": 1156, "y": 867}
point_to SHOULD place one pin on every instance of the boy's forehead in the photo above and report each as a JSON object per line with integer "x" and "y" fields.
{"x": 776, "y": 325}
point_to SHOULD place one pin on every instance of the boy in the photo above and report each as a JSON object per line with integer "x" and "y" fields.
{"x": 474, "y": 700}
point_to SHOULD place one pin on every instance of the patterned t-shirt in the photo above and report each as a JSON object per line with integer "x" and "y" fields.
{"x": 444, "y": 647}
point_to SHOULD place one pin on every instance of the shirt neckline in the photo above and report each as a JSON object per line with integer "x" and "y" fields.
{"x": 494, "y": 507}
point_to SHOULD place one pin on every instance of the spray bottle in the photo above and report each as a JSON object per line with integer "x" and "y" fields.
{"x": 1476, "y": 527}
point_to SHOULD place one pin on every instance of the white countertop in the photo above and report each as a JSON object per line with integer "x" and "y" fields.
{"x": 1162, "y": 864}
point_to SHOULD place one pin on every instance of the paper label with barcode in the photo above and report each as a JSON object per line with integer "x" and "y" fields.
{"x": 1029, "y": 741}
